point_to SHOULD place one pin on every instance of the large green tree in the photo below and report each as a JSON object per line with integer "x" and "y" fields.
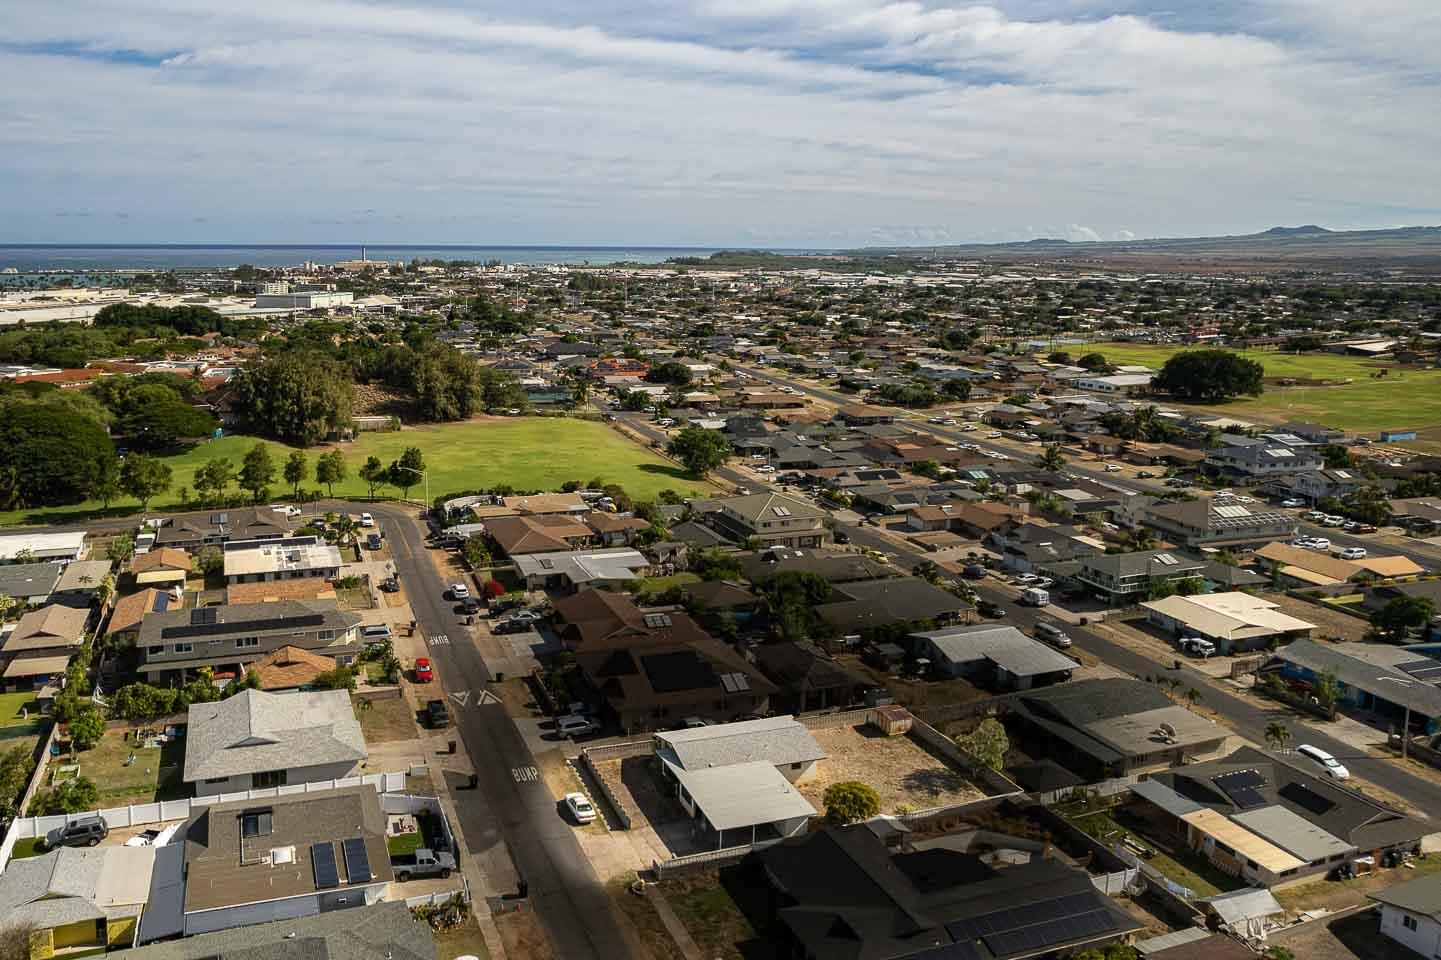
{"x": 144, "y": 478}
{"x": 52, "y": 451}
{"x": 699, "y": 449}
{"x": 296, "y": 469}
{"x": 1395, "y": 622}
{"x": 257, "y": 471}
{"x": 297, "y": 396}
{"x": 1210, "y": 375}
{"x": 408, "y": 470}
{"x": 331, "y": 469}
{"x": 375, "y": 475}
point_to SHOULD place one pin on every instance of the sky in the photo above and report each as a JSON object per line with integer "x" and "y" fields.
{"x": 763, "y": 123}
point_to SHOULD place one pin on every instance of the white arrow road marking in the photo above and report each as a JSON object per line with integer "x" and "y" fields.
{"x": 461, "y": 697}
{"x": 486, "y": 697}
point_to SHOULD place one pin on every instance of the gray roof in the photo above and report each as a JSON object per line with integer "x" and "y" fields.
{"x": 384, "y": 931}
{"x": 282, "y": 618}
{"x": 256, "y": 730}
{"x": 1165, "y": 798}
{"x": 1143, "y": 563}
{"x": 29, "y": 579}
{"x": 744, "y": 794}
{"x": 776, "y": 740}
{"x": 1292, "y": 833}
{"x": 70, "y": 885}
{"x": 1422, "y": 895}
{"x": 1369, "y": 667}
{"x": 1004, "y": 646}
{"x": 83, "y": 575}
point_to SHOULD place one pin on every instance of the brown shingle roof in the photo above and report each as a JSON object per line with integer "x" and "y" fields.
{"x": 162, "y": 558}
{"x": 290, "y": 667}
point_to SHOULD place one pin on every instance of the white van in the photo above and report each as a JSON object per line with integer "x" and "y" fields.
{"x": 1052, "y": 634}
{"x": 1035, "y": 597}
{"x": 1329, "y": 765}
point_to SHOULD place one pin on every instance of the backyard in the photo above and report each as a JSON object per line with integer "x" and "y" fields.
{"x": 905, "y": 774}
{"x": 529, "y": 453}
{"x": 1403, "y": 398}
{"x": 125, "y": 772}
{"x": 20, "y": 723}
{"x": 1180, "y": 866}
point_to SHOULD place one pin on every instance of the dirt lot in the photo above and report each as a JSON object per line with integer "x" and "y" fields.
{"x": 1330, "y": 624}
{"x": 901, "y": 770}
{"x": 1353, "y": 937}
{"x": 1334, "y": 895}
{"x": 387, "y": 720}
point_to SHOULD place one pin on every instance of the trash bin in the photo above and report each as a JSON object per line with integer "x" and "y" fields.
{"x": 474, "y": 781}
{"x": 450, "y": 745}
{"x": 500, "y": 678}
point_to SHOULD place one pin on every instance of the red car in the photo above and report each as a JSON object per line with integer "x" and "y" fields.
{"x": 423, "y": 671}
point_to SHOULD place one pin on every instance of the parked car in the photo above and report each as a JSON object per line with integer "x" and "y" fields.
{"x": 366, "y": 520}
{"x": 1113, "y": 468}
{"x": 1366, "y": 528}
{"x": 578, "y": 805}
{"x": 1035, "y": 597}
{"x": 511, "y": 625}
{"x": 422, "y": 863}
{"x": 989, "y": 608}
{"x": 390, "y": 585}
{"x": 85, "y": 832}
{"x": 424, "y": 672}
{"x": 372, "y": 542}
{"x": 974, "y": 571}
{"x": 1197, "y": 647}
{"x": 436, "y": 714}
{"x": 459, "y": 591}
{"x": 1025, "y": 580}
{"x": 1293, "y": 502}
{"x": 1329, "y": 765}
{"x": 376, "y": 633}
{"x": 571, "y": 726}
{"x": 1351, "y": 553}
{"x": 1052, "y": 634}
{"x": 471, "y": 606}
{"x": 1334, "y": 521}
{"x": 1145, "y": 475}
{"x": 842, "y": 537}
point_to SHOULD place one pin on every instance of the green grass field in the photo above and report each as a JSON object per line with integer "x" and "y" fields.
{"x": 529, "y": 453}
{"x": 1404, "y": 398}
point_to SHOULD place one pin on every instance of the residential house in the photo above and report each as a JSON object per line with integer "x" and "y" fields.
{"x": 41, "y": 645}
{"x": 1028, "y": 546}
{"x": 252, "y": 861}
{"x": 1124, "y": 578}
{"x": 735, "y": 780}
{"x": 176, "y": 643}
{"x": 868, "y": 605}
{"x": 290, "y": 668}
{"x": 656, "y": 668}
{"x": 843, "y": 894}
{"x": 1234, "y": 621}
{"x": 833, "y": 565}
{"x": 992, "y": 656}
{"x": 1312, "y": 485}
{"x": 571, "y": 570}
{"x": 193, "y": 531}
{"x": 808, "y": 677}
{"x": 1203, "y": 523}
{"x": 1411, "y": 914}
{"x": 292, "y": 558}
{"x": 1120, "y": 384}
{"x": 772, "y": 519}
{"x": 1272, "y": 820}
{"x": 1313, "y": 432}
{"x": 1112, "y": 727}
{"x": 132, "y": 609}
{"x": 1298, "y": 567}
{"x": 1271, "y": 453}
{"x": 261, "y": 739}
{"x": 29, "y": 584}
{"x": 616, "y": 530}
{"x": 77, "y": 900}
{"x": 384, "y": 931}
{"x": 520, "y": 535}
{"x": 43, "y": 547}
{"x": 864, "y": 415}
{"x": 81, "y": 579}
{"x": 1391, "y": 685}
{"x": 161, "y": 567}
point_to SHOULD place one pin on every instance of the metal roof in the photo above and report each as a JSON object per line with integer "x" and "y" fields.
{"x": 1006, "y": 647}
{"x": 1292, "y": 833}
{"x": 743, "y": 795}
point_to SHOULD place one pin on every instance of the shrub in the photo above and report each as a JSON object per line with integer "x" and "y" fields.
{"x": 849, "y": 801}
{"x": 87, "y": 728}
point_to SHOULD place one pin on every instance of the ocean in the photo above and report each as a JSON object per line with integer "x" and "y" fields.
{"x": 102, "y": 257}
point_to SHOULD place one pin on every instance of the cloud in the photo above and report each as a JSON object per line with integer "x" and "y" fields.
{"x": 774, "y": 122}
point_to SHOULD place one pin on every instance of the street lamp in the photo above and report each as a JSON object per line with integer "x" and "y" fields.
{"x": 425, "y": 476}
{"x": 1406, "y": 725}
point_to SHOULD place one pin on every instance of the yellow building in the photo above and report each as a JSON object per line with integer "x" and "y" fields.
{"x": 77, "y": 898}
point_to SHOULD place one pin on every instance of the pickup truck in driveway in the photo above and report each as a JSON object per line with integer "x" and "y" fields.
{"x": 422, "y": 863}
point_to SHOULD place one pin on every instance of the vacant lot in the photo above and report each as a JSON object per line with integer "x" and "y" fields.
{"x": 902, "y": 771}
{"x": 384, "y": 721}
{"x": 125, "y": 772}
{"x": 529, "y": 453}
{"x": 1403, "y": 398}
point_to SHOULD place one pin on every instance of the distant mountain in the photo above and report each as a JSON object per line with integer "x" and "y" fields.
{"x": 1409, "y": 250}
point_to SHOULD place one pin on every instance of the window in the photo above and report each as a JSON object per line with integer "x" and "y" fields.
{"x": 216, "y": 779}
{"x": 157, "y": 649}
{"x": 247, "y": 642}
{"x": 326, "y": 635}
{"x": 797, "y": 766}
{"x": 184, "y": 648}
{"x": 254, "y": 823}
{"x": 1408, "y": 921}
{"x": 269, "y": 778}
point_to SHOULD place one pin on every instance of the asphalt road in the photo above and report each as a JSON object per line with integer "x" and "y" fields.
{"x": 511, "y": 805}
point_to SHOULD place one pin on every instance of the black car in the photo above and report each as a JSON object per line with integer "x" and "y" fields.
{"x": 372, "y": 542}
{"x": 436, "y": 715}
{"x": 989, "y": 608}
{"x": 842, "y": 537}
{"x": 86, "y": 832}
{"x": 974, "y": 571}
{"x": 471, "y": 605}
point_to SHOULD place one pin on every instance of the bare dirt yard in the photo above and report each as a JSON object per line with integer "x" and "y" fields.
{"x": 902, "y": 771}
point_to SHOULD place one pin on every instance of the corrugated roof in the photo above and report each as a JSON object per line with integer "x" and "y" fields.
{"x": 744, "y": 794}
{"x": 1292, "y": 833}
{"x": 1247, "y": 844}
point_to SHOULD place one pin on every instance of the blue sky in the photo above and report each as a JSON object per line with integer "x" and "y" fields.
{"x": 719, "y": 122}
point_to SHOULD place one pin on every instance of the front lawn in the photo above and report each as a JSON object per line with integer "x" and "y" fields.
{"x": 11, "y": 706}
{"x": 654, "y": 586}
{"x": 125, "y": 772}
{"x": 529, "y": 453}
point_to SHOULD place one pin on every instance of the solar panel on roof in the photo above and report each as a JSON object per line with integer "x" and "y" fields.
{"x": 680, "y": 670}
{"x": 1305, "y": 798}
{"x": 202, "y": 615}
{"x": 1240, "y": 786}
{"x": 1051, "y": 933}
{"x": 248, "y": 626}
{"x": 322, "y": 860}
{"x": 1423, "y": 669}
{"x": 357, "y": 861}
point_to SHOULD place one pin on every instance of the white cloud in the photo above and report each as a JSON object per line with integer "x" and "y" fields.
{"x": 806, "y": 122}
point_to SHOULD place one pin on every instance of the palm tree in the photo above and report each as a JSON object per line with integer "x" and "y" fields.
{"x": 1193, "y": 696}
{"x": 345, "y": 528}
{"x": 1142, "y": 539}
{"x": 1278, "y": 735}
{"x": 1052, "y": 459}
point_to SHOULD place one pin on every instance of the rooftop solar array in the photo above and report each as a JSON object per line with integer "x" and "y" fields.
{"x": 1305, "y": 798}
{"x": 322, "y": 859}
{"x": 656, "y": 620}
{"x": 1036, "y": 926}
{"x": 210, "y": 628}
{"x": 1424, "y": 669}
{"x": 1241, "y": 787}
{"x": 357, "y": 861}
{"x": 735, "y": 682}
{"x": 677, "y": 671}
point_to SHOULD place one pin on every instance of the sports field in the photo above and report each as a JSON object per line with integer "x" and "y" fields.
{"x": 1404, "y": 398}
{"x": 529, "y": 453}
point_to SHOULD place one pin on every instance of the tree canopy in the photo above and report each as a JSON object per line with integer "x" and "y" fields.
{"x": 298, "y": 397}
{"x": 54, "y": 449}
{"x": 1210, "y": 375}
{"x": 699, "y": 449}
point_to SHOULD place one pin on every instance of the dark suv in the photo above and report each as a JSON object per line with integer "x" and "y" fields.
{"x": 86, "y": 832}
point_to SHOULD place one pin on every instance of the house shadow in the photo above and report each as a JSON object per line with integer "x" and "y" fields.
{"x": 758, "y": 902}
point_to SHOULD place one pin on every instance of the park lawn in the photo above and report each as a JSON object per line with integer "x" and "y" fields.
{"x": 1404, "y": 398}
{"x": 529, "y": 453}
{"x": 154, "y": 775}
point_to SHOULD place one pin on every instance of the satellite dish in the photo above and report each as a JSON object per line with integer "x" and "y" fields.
{"x": 1168, "y": 730}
